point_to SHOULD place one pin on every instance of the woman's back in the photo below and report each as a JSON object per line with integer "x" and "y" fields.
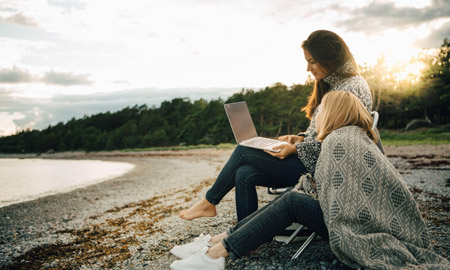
{"x": 370, "y": 214}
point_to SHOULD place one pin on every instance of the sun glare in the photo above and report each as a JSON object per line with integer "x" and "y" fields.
{"x": 409, "y": 72}
{"x": 405, "y": 67}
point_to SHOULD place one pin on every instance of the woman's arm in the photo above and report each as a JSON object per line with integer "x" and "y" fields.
{"x": 285, "y": 150}
{"x": 308, "y": 153}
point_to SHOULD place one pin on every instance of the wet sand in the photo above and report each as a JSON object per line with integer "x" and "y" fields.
{"x": 131, "y": 221}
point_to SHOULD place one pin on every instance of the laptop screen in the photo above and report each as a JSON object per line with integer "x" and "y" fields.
{"x": 241, "y": 121}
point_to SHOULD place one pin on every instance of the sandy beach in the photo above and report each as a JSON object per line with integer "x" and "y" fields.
{"x": 131, "y": 222}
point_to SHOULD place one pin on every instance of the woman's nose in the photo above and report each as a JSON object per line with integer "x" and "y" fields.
{"x": 308, "y": 67}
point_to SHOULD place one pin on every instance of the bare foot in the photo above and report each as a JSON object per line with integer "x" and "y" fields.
{"x": 202, "y": 208}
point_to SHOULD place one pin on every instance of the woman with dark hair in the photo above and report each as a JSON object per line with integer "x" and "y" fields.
{"x": 330, "y": 62}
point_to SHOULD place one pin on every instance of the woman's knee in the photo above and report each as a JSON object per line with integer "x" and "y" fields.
{"x": 244, "y": 174}
{"x": 244, "y": 150}
{"x": 284, "y": 200}
{"x": 293, "y": 199}
{"x": 289, "y": 197}
{"x": 239, "y": 149}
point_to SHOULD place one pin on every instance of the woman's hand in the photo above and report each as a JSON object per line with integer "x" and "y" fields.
{"x": 286, "y": 150}
{"x": 291, "y": 139}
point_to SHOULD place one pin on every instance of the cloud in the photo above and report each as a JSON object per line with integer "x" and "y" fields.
{"x": 22, "y": 31}
{"x": 15, "y": 75}
{"x": 121, "y": 82}
{"x": 378, "y": 16}
{"x": 68, "y": 4}
{"x": 20, "y": 75}
{"x": 61, "y": 78}
{"x": 18, "y": 18}
{"x": 436, "y": 37}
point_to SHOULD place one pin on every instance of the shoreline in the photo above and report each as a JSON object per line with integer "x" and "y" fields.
{"x": 20, "y": 176}
{"x": 442, "y": 150}
{"x": 131, "y": 221}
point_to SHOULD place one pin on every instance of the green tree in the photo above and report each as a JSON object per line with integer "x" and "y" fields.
{"x": 435, "y": 90}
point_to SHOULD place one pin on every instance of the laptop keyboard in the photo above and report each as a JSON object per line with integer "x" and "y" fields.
{"x": 259, "y": 142}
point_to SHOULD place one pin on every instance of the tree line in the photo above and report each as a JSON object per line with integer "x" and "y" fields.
{"x": 180, "y": 121}
{"x": 275, "y": 111}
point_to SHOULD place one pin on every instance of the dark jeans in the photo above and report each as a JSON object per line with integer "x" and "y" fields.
{"x": 248, "y": 168}
{"x": 261, "y": 226}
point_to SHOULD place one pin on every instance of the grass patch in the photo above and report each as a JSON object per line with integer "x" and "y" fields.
{"x": 181, "y": 147}
{"x": 434, "y": 136}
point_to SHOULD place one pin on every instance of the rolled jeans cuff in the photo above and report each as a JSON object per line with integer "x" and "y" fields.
{"x": 234, "y": 255}
{"x": 210, "y": 199}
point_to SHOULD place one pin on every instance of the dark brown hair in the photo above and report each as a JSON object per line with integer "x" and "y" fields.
{"x": 331, "y": 52}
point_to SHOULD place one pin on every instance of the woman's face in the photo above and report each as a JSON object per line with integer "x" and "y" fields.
{"x": 319, "y": 119}
{"x": 314, "y": 67}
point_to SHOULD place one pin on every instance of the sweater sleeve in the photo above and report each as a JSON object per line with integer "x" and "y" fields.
{"x": 308, "y": 153}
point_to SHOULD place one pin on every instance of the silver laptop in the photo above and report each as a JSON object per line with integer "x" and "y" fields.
{"x": 244, "y": 130}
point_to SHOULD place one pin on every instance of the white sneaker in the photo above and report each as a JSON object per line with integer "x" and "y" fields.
{"x": 199, "y": 261}
{"x": 187, "y": 250}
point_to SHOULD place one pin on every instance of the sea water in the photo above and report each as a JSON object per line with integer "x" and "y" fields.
{"x": 27, "y": 179}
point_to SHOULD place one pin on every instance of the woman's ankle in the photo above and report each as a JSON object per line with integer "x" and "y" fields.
{"x": 202, "y": 208}
{"x": 218, "y": 238}
{"x": 217, "y": 251}
{"x": 205, "y": 203}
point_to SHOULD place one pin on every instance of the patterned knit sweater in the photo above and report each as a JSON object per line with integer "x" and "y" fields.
{"x": 309, "y": 150}
{"x": 372, "y": 219}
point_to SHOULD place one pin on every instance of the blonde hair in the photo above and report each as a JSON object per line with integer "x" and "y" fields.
{"x": 340, "y": 109}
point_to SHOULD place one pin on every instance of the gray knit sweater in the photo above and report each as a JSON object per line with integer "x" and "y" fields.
{"x": 309, "y": 150}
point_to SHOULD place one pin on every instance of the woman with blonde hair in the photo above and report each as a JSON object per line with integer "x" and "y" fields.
{"x": 357, "y": 200}
{"x": 331, "y": 63}
{"x": 343, "y": 109}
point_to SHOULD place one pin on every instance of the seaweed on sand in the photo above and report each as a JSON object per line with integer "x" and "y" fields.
{"x": 117, "y": 233}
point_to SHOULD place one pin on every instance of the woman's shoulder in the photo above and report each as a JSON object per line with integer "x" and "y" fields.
{"x": 349, "y": 143}
{"x": 356, "y": 82}
{"x": 358, "y": 86}
{"x": 345, "y": 135}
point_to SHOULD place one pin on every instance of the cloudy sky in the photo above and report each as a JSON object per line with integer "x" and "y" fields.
{"x": 68, "y": 58}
